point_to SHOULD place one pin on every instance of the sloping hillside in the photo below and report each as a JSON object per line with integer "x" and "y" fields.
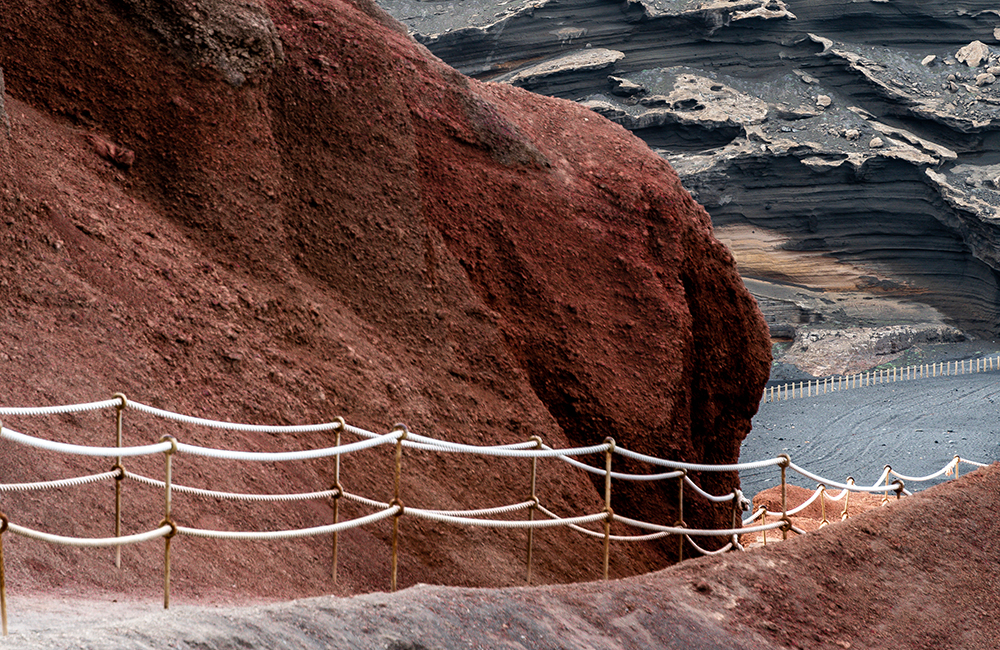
{"x": 286, "y": 212}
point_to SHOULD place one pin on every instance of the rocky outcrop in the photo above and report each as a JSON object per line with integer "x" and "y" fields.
{"x": 237, "y": 39}
{"x": 358, "y": 231}
{"x": 876, "y": 139}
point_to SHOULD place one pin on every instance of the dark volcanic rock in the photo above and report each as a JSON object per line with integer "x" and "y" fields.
{"x": 863, "y": 132}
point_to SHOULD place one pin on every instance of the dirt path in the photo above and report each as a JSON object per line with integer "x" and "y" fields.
{"x": 890, "y": 577}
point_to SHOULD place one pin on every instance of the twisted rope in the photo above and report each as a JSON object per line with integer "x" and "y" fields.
{"x": 54, "y": 410}
{"x": 617, "y": 475}
{"x": 93, "y": 542}
{"x": 700, "y": 532}
{"x": 593, "y": 533}
{"x": 289, "y": 534}
{"x": 500, "y": 523}
{"x": 947, "y": 469}
{"x": 705, "y": 551}
{"x": 61, "y": 483}
{"x": 273, "y": 457}
{"x": 231, "y": 496}
{"x": 696, "y": 467}
{"x": 844, "y": 486}
{"x": 232, "y": 426}
{"x": 81, "y": 450}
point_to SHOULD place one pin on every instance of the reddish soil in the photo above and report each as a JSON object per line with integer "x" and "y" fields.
{"x": 353, "y": 229}
{"x": 919, "y": 573}
{"x": 820, "y": 513}
{"x": 341, "y": 226}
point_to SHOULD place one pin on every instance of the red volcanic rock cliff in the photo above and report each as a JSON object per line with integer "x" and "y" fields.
{"x": 283, "y": 212}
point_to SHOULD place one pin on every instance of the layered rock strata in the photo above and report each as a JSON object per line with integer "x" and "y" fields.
{"x": 859, "y": 132}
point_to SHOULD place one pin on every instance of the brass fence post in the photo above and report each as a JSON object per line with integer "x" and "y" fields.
{"x": 822, "y": 506}
{"x": 3, "y": 577}
{"x": 847, "y": 499}
{"x": 167, "y": 521}
{"x": 119, "y": 442}
{"x": 610, "y": 514}
{"x": 737, "y": 510}
{"x": 534, "y": 504}
{"x": 680, "y": 516}
{"x": 785, "y": 462}
{"x": 397, "y": 502}
{"x": 336, "y": 498}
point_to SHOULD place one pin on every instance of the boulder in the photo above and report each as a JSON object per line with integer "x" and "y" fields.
{"x": 351, "y": 227}
{"x": 973, "y": 54}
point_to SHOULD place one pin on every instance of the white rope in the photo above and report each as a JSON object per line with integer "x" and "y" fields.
{"x": 61, "y": 483}
{"x": 844, "y": 486}
{"x": 507, "y": 452}
{"x": 593, "y": 533}
{"x": 499, "y": 523}
{"x": 840, "y": 496}
{"x": 710, "y": 497}
{"x": 231, "y": 496}
{"x": 53, "y": 410}
{"x": 232, "y": 426}
{"x": 368, "y": 502}
{"x": 653, "y": 460}
{"x": 274, "y": 457}
{"x": 972, "y": 462}
{"x": 530, "y": 444}
{"x": 618, "y": 475}
{"x": 499, "y": 510}
{"x": 805, "y": 504}
{"x": 701, "y": 532}
{"x": 885, "y": 473}
{"x": 93, "y": 542}
{"x": 80, "y": 450}
{"x": 755, "y": 516}
{"x": 289, "y": 534}
{"x": 705, "y": 551}
{"x": 947, "y": 469}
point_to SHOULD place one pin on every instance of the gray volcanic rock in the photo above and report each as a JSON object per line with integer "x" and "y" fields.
{"x": 841, "y": 146}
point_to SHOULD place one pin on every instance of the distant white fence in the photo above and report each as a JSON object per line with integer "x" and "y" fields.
{"x": 816, "y": 387}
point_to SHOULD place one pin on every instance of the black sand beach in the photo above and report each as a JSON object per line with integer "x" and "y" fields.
{"x": 915, "y": 426}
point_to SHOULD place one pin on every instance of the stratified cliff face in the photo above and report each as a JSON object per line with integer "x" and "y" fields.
{"x": 842, "y": 146}
{"x": 288, "y": 211}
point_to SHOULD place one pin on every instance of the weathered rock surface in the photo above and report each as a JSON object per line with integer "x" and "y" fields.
{"x": 237, "y": 39}
{"x": 907, "y": 213}
{"x": 346, "y": 226}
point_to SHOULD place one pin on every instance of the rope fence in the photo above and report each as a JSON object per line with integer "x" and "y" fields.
{"x": 822, "y": 386}
{"x": 519, "y": 515}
